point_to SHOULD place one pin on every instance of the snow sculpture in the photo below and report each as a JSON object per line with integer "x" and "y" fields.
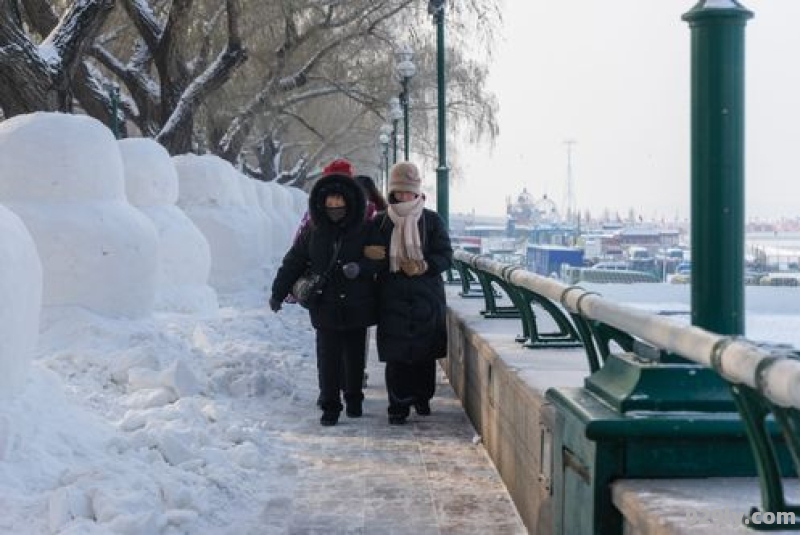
{"x": 21, "y": 294}
{"x": 278, "y": 227}
{"x": 300, "y": 199}
{"x": 283, "y": 211}
{"x": 62, "y": 174}
{"x": 211, "y": 195}
{"x": 151, "y": 184}
{"x": 252, "y": 203}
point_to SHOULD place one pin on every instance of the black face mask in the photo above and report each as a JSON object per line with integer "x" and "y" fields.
{"x": 336, "y": 214}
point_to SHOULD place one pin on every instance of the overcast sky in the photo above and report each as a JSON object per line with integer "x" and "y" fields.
{"x": 614, "y": 77}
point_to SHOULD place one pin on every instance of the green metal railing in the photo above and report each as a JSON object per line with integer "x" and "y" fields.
{"x": 764, "y": 380}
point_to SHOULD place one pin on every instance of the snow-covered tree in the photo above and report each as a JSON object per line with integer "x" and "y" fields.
{"x": 273, "y": 86}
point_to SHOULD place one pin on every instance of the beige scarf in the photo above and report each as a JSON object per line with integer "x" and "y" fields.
{"x": 405, "y": 242}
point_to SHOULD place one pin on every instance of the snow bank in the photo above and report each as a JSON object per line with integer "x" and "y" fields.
{"x": 21, "y": 295}
{"x": 210, "y": 193}
{"x": 169, "y": 424}
{"x": 282, "y": 209}
{"x": 151, "y": 184}
{"x": 278, "y": 227}
{"x": 265, "y": 221}
{"x": 62, "y": 174}
{"x": 299, "y": 201}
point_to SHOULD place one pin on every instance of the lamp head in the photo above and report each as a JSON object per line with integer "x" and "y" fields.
{"x": 435, "y": 6}
{"x": 406, "y": 69}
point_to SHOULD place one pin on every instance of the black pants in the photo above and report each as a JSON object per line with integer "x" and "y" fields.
{"x": 340, "y": 354}
{"x": 408, "y": 383}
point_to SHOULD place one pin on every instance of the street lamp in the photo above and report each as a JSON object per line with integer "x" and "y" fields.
{"x": 383, "y": 138}
{"x": 395, "y": 114}
{"x": 436, "y": 10}
{"x": 405, "y": 71}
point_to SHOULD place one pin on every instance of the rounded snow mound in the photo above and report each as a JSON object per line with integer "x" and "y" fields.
{"x": 151, "y": 183}
{"x": 21, "y": 293}
{"x": 63, "y": 176}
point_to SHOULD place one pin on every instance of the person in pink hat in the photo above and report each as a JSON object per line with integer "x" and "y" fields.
{"x": 332, "y": 247}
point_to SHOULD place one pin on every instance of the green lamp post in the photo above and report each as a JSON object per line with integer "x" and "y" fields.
{"x": 650, "y": 414}
{"x": 717, "y": 148}
{"x": 395, "y": 114}
{"x": 436, "y": 9}
{"x": 405, "y": 71}
{"x": 383, "y": 138}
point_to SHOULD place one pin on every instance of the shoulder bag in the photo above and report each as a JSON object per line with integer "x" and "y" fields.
{"x": 307, "y": 289}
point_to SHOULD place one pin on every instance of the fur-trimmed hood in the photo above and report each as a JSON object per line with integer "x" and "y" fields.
{"x": 354, "y": 198}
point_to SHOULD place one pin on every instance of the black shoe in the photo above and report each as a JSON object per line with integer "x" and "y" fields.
{"x": 329, "y": 418}
{"x": 396, "y": 419}
{"x": 354, "y": 410}
{"x": 423, "y": 408}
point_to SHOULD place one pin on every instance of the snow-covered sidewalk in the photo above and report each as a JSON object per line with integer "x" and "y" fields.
{"x": 208, "y": 425}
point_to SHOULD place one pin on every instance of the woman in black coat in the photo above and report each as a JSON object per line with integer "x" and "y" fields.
{"x": 334, "y": 245}
{"x": 412, "y": 330}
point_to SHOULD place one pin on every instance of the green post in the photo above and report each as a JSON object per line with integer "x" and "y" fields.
{"x": 436, "y": 8}
{"x": 404, "y": 103}
{"x": 694, "y": 429}
{"x": 394, "y": 141}
{"x": 405, "y": 71}
{"x": 113, "y": 95}
{"x": 385, "y": 184}
{"x": 717, "y": 152}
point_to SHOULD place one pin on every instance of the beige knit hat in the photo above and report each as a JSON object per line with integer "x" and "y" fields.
{"x": 404, "y": 176}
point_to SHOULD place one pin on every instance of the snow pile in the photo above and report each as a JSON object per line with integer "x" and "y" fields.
{"x": 127, "y": 421}
{"x": 21, "y": 294}
{"x": 300, "y": 200}
{"x": 172, "y": 424}
{"x": 210, "y": 193}
{"x": 151, "y": 184}
{"x": 62, "y": 174}
{"x": 264, "y": 243}
{"x": 283, "y": 208}
{"x": 279, "y": 228}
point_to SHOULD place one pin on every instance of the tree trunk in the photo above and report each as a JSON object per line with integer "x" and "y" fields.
{"x": 32, "y": 81}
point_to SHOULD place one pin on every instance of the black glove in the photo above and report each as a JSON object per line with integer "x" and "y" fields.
{"x": 274, "y": 304}
{"x": 351, "y": 270}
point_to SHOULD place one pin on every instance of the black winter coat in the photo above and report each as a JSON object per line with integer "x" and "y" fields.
{"x": 344, "y": 303}
{"x": 412, "y": 322}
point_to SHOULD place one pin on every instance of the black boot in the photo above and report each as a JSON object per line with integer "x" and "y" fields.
{"x": 423, "y": 408}
{"x": 330, "y": 412}
{"x": 397, "y": 419}
{"x": 354, "y": 410}
{"x": 329, "y": 418}
{"x": 353, "y": 404}
{"x": 398, "y": 414}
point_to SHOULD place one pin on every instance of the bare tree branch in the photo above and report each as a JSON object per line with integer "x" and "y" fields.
{"x": 213, "y": 78}
{"x": 145, "y": 21}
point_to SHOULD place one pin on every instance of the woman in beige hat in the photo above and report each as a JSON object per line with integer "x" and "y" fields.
{"x": 412, "y": 332}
